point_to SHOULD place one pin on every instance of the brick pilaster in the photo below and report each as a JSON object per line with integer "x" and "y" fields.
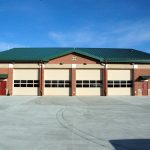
{"x": 10, "y": 80}
{"x": 41, "y": 79}
{"x": 73, "y": 80}
{"x": 105, "y": 80}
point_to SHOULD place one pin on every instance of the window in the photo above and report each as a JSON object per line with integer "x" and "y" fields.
{"x": 116, "y": 83}
{"x": 88, "y": 83}
{"x": 23, "y": 81}
{"x": 16, "y": 85}
{"x": 23, "y": 85}
{"x": 85, "y": 83}
{"x": 29, "y": 81}
{"x": 123, "y": 83}
{"x": 99, "y": 83}
{"x": 129, "y": 83}
{"x": 47, "y": 81}
{"x": 57, "y": 83}
{"x": 26, "y": 83}
{"x": 119, "y": 83}
{"x": 74, "y": 58}
{"x": 16, "y": 81}
{"x": 110, "y": 83}
{"x": 92, "y": 83}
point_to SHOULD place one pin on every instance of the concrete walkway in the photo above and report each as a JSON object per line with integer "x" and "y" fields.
{"x": 74, "y": 123}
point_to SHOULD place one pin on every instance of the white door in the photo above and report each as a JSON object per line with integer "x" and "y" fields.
{"x": 119, "y": 82}
{"x": 88, "y": 82}
{"x": 57, "y": 82}
{"x": 26, "y": 82}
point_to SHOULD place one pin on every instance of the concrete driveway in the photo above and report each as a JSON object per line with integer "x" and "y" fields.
{"x": 74, "y": 123}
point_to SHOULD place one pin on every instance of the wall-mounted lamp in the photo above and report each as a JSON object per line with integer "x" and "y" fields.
{"x": 61, "y": 63}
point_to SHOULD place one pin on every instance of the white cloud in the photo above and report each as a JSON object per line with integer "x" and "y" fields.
{"x": 78, "y": 38}
{"x": 125, "y": 35}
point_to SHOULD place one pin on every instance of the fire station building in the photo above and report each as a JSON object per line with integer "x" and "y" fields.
{"x": 74, "y": 72}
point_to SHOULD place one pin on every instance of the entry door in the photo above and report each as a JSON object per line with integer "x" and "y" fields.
{"x": 145, "y": 88}
{"x": 2, "y": 87}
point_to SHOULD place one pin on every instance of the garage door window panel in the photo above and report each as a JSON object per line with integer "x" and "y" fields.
{"x": 67, "y": 83}
{"x": 29, "y": 81}
{"x": 99, "y": 83}
{"x": 129, "y": 83}
{"x": 16, "y": 85}
{"x": 79, "y": 83}
{"x": 23, "y": 85}
{"x": 110, "y": 84}
{"x": 16, "y": 81}
{"x": 23, "y": 81}
{"x": 47, "y": 81}
{"x": 86, "y": 83}
{"x": 26, "y": 83}
{"x": 57, "y": 83}
{"x": 93, "y": 83}
{"x": 124, "y": 83}
{"x": 119, "y": 83}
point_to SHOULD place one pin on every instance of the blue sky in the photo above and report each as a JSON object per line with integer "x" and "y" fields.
{"x": 75, "y": 23}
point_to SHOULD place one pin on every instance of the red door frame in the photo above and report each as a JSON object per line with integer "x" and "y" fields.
{"x": 2, "y": 87}
{"x": 145, "y": 88}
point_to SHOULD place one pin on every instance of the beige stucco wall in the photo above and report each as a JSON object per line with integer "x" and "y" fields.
{"x": 119, "y": 91}
{"x": 119, "y": 75}
{"x": 89, "y": 66}
{"x": 26, "y": 65}
{"x": 144, "y": 66}
{"x": 120, "y": 66}
{"x": 148, "y": 92}
{"x": 4, "y": 65}
{"x": 55, "y": 66}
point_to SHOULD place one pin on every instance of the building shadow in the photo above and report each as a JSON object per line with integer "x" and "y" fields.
{"x": 131, "y": 144}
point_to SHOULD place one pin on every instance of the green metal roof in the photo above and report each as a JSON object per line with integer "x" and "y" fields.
{"x": 145, "y": 77}
{"x": 3, "y": 76}
{"x": 111, "y": 55}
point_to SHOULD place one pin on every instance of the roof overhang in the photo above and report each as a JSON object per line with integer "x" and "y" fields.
{"x": 3, "y": 76}
{"x": 144, "y": 77}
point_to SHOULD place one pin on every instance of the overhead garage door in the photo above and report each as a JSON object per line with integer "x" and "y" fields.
{"x": 26, "y": 82}
{"x": 57, "y": 82}
{"x": 88, "y": 82}
{"x": 119, "y": 82}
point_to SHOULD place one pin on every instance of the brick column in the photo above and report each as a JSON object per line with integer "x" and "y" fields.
{"x": 135, "y": 76}
{"x": 41, "y": 79}
{"x": 10, "y": 80}
{"x": 73, "y": 80}
{"x": 105, "y": 80}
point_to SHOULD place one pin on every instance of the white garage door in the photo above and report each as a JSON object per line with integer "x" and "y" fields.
{"x": 119, "y": 82}
{"x": 88, "y": 82}
{"x": 57, "y": 82}
{"x": 26, "y": 82}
